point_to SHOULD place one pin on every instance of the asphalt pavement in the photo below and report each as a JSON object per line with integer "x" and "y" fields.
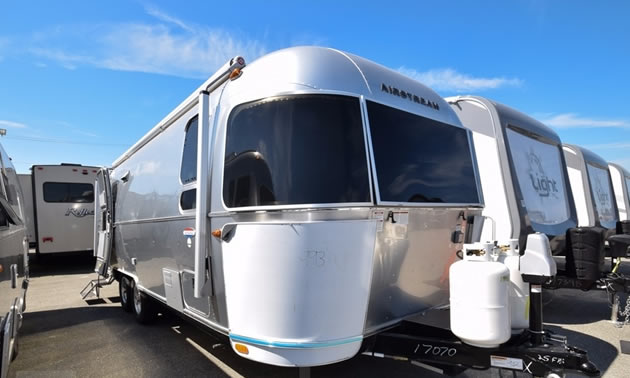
{"x": 65, "y": 336}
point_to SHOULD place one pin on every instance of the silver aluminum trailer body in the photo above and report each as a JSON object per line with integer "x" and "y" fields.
{"x": 522, "y": 171}
{"x": 592, "y": 188}
{"x": 329, "y": 225}
{"x": 13, "y": 261}
{"x": 63, "y": 199}
{"x": 621, "y": 186}
{"x": 26, "y": 183}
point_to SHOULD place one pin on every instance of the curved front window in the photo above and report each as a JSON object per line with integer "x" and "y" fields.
{"x": 540, "y": 172}
{"x": 305, "y": 149}
{"x": 599, "y": 180}
{"x": 419, "y": 159}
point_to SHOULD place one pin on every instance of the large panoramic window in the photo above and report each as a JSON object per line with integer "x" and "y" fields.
{"x": 68, "y": 192}
{"x": 540, "y": 173}
{"x": 293, "y": 150}
{"x": 419, "y": 159}
{"x": 628, "y": 186}
{"x": 602, "y": 195}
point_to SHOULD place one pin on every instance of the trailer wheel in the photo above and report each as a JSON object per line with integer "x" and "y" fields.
{"x": 143, "y": 306}
{"x": 126, "y": 293}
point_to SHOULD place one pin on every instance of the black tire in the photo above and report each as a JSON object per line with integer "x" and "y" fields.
{"x": 144, "y": 307}
{"x": 126, "y": 293}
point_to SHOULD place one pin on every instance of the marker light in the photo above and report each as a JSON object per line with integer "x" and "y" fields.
{"x": 1, "y": 268}
{"x": 216, "y": 233}
{"x": 235, "y": 74}
{"x": 241, "y": 348}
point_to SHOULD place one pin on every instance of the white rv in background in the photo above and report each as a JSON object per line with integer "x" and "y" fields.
{"x": 29, "y": 216}
{"x": 63, "y": 207}
{"x": 621, "y": 186}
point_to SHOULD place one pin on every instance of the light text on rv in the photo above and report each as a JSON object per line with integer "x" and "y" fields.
{"x": 79, "y": 213}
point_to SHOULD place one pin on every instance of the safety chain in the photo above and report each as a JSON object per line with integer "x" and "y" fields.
{"x": 626, "y": 311}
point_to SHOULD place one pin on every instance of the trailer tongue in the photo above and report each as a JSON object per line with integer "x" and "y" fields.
{"x": 426, "y": 337}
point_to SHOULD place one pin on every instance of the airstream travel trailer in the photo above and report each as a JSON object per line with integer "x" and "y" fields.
{"x": 301, "y": 206}
{"x": 522, "y": 172}
{"x": 29, "y": 214}
{"x": 63, "y": 207}
{"x": 13, "y": 261}
{"x": 592, "y": 188}
{"x": 621, "y": 186}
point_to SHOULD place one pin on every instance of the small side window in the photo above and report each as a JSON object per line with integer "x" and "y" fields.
{"x": 188, "y": 172}
{"x": 188, "y": 199}
{"x": 4, "y": 218}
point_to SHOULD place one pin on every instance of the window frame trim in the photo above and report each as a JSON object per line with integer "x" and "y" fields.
{"x": 344, "y": 205}
{"x": 380, "y": 202}
{"x": 67, "y": 183}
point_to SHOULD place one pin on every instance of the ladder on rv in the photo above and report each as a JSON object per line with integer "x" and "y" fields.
{"x": 93, "y": 288}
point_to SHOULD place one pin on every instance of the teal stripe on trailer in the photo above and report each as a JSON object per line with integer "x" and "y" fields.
{"x": 280, "y": 344}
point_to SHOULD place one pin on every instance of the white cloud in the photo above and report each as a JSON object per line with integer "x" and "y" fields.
{"x": 170, "y": 47}
{"x": 448, "y": 79}
{"x": 573, "y": 120}
{"x": 610, "y": 146}
{"x": 157, "y": 13}
{"x": 11, "y": 124}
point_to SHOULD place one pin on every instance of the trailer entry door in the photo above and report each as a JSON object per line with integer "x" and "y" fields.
{"x": 102, "y": 222}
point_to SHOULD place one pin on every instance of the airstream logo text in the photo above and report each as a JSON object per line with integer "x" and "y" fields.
{"x": 79, "y": 213}
{"x": 409, "y": 96}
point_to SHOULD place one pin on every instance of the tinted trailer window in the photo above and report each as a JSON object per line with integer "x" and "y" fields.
{"x": 296, "y": 150}
{"x": 602, "y": 195}
{"x": 67, "y": 192}
{"x": 540, "y": 173}
{"x": 420, "y": 160}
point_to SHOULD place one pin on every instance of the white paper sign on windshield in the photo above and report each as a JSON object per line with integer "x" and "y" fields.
{"x": 540, "y": 176}
{"x": 602, "y": 193}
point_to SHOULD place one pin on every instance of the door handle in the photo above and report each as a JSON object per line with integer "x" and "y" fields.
{"x": 14, "y": 275}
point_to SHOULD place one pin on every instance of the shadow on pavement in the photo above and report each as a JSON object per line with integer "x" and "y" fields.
{"x": 103, "y": 340}
{"x": 61, "y": 264}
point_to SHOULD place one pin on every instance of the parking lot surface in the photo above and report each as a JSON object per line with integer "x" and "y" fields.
{"x": 65, "y": 336}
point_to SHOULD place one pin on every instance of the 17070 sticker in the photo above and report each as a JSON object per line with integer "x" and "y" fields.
{"x": 434, "y": 350}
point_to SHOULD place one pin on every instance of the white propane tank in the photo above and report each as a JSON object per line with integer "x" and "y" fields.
{"x": 518, "y": 290}
{"x": 479, "y": 298}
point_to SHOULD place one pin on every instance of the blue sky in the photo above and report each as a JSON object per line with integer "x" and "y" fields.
{"x": 81, "y": 81}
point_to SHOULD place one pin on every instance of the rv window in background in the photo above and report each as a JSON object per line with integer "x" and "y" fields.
{"x": 68, "y": 192}
{"x": 188, "y": 172}
{"x": 540, "y": 173}
{"x": 628, "y": 186}
{"x": 602, "y": 195}
{"x": 306, "y": 149}
{"x": 188, "y": 199}
{"x": 419, "y": 159}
